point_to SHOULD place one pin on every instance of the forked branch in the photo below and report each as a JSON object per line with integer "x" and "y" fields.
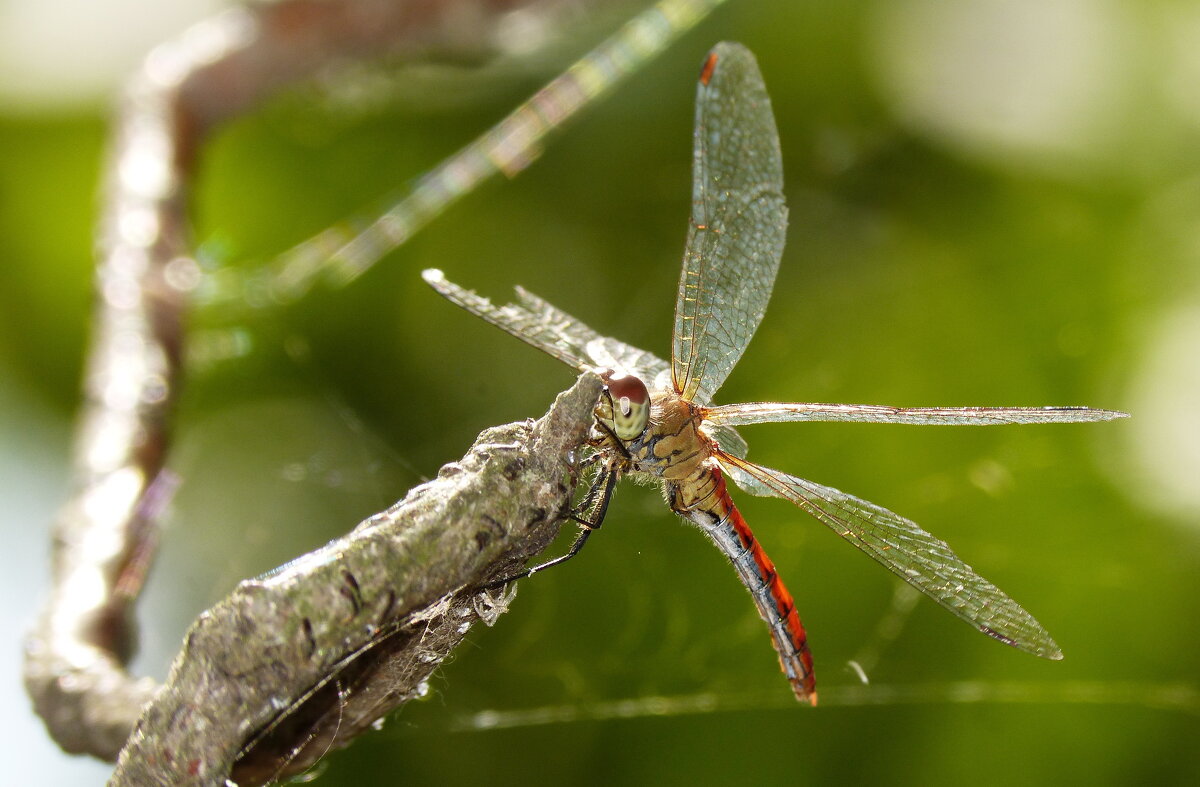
{"x": 105, "y": 536}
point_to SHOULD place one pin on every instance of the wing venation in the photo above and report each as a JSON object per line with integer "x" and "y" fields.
{"x": 553, "y": 331}
{"x": 773, "y": 412}
{"x": 736, "y": 234}
{"x": 919, "y": 558}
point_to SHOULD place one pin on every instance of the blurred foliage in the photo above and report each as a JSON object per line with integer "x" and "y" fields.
{"x": 925, "y": 267}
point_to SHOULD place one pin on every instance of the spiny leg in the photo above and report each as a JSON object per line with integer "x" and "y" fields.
{"x": 594, "y": 508}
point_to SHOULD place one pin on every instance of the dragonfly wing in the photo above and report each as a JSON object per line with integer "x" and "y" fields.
{"x": 737, "y": 226}
{"x": 748, "y": 483}
{"x": 730, "y": 442}
{"x": 602, "y": 351}
{"x": 552, "y": 331}
{"x": 917, "y": 557}
{"x": 767, "y": 412}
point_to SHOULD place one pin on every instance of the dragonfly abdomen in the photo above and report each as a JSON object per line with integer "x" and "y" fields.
{"x": 704, "y": 499}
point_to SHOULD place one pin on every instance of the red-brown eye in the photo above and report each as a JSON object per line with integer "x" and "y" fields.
{"x": 629, "y": 405}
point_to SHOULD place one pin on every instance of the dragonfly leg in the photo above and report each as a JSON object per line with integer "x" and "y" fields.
{"x": 595, "y": 506}
{"x": 613, "y": 441}
{"x": 589, "y": 460}
{"x": 595, "y": 503}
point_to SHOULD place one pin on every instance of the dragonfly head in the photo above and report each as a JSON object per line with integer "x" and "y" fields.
{"x": 625, "y": 405}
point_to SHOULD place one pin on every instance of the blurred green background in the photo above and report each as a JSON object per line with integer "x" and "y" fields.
{"x": 992, "y": 202}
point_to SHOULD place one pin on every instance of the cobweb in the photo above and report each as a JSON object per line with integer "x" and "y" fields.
{"x": 647, "y": 623}
{"x": 286, "y": 443}
{"x": 619, "y": 633}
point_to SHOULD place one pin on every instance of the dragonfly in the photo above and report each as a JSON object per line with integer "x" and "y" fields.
{"x": 656, "y": 419}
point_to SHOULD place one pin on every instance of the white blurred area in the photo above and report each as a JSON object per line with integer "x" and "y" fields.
{"x": 33, "y": 450}
{"x": 1082, "y": 89}
{"x": 1165, "y": 445}
{"x": 1159, "y": 462}
{"x": 1028, "y": 79}
{"x": 58, "y": 55}
{"x": 1065, "y": 87}
{"x": 1180, "y": 24}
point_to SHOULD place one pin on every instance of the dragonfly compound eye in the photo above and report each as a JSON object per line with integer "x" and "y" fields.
{"x": 627, "y": 410}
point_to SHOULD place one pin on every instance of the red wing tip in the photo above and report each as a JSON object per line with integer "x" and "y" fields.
{"x": 710, "y": 65}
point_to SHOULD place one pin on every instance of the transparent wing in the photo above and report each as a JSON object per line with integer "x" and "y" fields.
{"x": 748, "y": 483}
{"x": 730, "y": 442}
{"x": 554, "y": 331}
{"x": 767, "y": 412}
{"x": 920, "y": 559}
{"x": 737, "y": 226}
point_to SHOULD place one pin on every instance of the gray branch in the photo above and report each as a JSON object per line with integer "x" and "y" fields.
{"x": 302, "y": 660}
{"x": 105, "y": 536}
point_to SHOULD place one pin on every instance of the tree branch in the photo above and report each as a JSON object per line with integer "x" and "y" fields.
{"x": 347, "y": 633}
{"x": 104, "y": 537}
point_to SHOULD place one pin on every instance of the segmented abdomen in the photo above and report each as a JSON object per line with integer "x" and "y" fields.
{"x": 704, "y": 499}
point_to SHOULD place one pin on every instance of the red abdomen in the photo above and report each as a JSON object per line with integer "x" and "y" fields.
{"x": 704, "y": 499}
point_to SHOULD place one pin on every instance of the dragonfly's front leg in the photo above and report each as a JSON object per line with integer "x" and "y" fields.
{"x": 612, "y": 451}
{"x": 590, "y": 516}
